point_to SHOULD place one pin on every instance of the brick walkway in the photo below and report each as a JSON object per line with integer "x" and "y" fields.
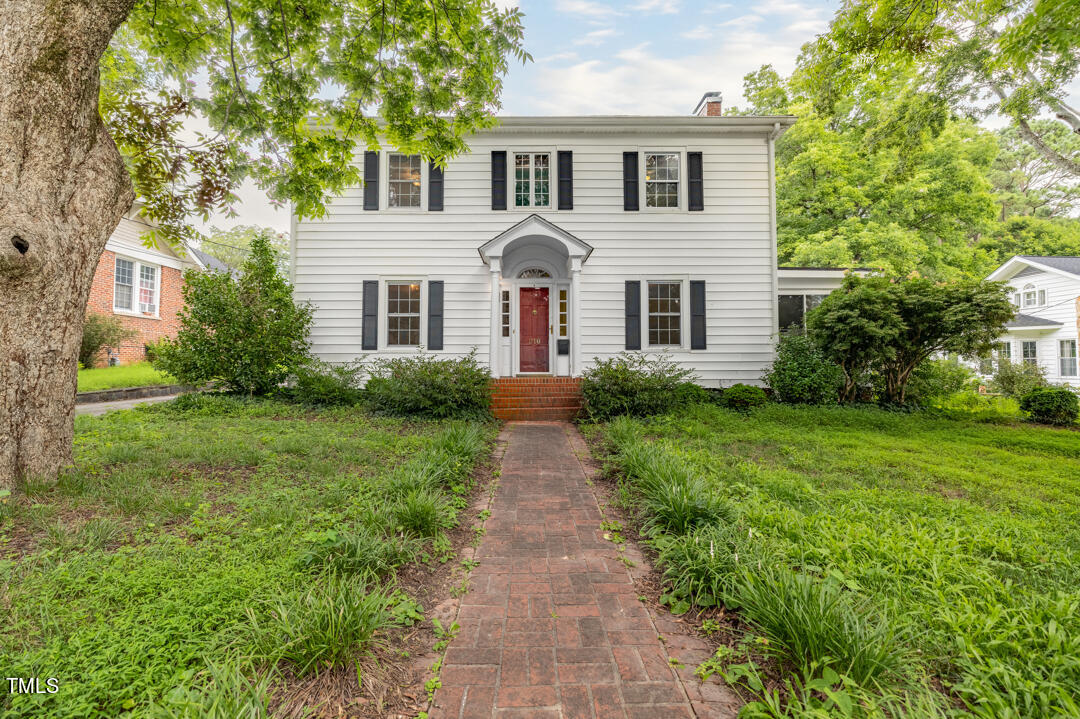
{"x": 552, "y": 626}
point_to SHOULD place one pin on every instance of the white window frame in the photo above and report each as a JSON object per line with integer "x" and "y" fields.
{"x": 1062, "y": 357}
{"x": 684, "y": 312}
{"x": 384, "y": 190}
{"x": 384, "y": 313}
{"x": 136, "y": 274}
{"x": 1007, "y": 347}
{"x": 1037, "y": 296}
{"x": 1030, "y": 360}
{"x": 511, "y": 179}
{"x": 643, "y": 204}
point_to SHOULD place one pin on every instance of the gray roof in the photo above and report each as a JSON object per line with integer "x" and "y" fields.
{"x": 1021, "y": 321}
{"x": 1065, "y": 264}
{"x": 209, "y": 261}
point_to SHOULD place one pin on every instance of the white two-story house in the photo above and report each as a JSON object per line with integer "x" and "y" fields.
{"x": 557, "y": 240}
{"x": 1046, "y": 292}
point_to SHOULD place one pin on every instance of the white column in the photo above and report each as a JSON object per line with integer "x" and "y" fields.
{"x": 575, "y": 316}
{"x": 496, "y": 316}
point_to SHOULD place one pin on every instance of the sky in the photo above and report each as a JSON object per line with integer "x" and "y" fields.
{"x": 637, "y": 57}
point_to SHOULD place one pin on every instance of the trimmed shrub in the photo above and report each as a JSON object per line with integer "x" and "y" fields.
{"x": 430, "y": 386}
{"x": 801, "y": 374}
{"x": 689, "y": 393}
{"x": 1016, "y": 379}
{"x": 246, "y": 334}
{"x": 99, "y": 332}
{"x": 323, "y": 384}
{"x": 937, "y": 379}
{"x": 743, "y": 397}
{"x": 1051, "y": 405}
{"x": 634, "y": 384}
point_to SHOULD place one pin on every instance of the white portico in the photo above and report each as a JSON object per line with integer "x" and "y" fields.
{"x": 535, "y": 272}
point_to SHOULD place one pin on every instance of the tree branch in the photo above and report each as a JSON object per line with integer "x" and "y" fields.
{"x": 1065, "y": 163}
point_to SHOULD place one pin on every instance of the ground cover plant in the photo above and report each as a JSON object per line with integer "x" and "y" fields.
{"x": 205, "y": 554}
{"x": 137, "y": 374}
{"x": 894, "y": 564}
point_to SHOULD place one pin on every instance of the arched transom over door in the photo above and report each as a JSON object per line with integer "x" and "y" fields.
{"x": 534, "y": 273}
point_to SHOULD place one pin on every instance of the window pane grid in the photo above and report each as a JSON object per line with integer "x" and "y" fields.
{"x": 123, "y": 284}
{"x": 1067, "y": 359}
{"x": 147, "y": 289}
{"x": 404, "y": 181}
{"x": 403, "y": 314}
{"x": 532, "y": 179}
{"x": 1029, "y": 352}
{"x": 665, "y": 313}
{"x": 662, "y": 180}
{"x": 563, "y": 303}
{"x": 506, "y": 313}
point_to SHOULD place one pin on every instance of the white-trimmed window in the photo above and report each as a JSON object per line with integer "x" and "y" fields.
{"x": 403, "y": 314}
{"x": 564, "y": 305}
{"x": 505, "y": 300}
{"x": 1067, "y": 357}
{"x": 662, "y": 179}
{"x": 532, "y": 179}
{"x": 1029, "y": 351}
{"x": 124, "y": 285}
{"x": 665, "y": 313}
{"x": 1033, "y": 297}
{"x": 403, "y": 180}
{"x": 135, "y": 287}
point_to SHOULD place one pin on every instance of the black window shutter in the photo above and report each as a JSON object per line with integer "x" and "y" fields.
{"x": 435, "y": 315}
{"x": 498, "y": 179}
{"x": 566, "y": 180}
{"x": 370, "y": 327}
{"x": 697, "y": 314}
{"x": 435, "y": 188}
{"x": 629, "y": 181}
{"x": 371, "y": 180}
{"x": 696, "y": 188}
{"x": 633, "y": 315}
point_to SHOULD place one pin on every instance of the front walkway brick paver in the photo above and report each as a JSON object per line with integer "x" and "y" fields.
{"x": 551, "y": 625}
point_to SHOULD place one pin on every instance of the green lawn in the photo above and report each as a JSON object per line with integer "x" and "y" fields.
{"x": 963, "y": 538}
{"x": 199, "y": 545}
{"x": 138, "y": 374}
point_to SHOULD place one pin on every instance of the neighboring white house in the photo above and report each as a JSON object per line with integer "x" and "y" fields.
{"x": 557, "y": 240}
{"x": 1046, "y": 292}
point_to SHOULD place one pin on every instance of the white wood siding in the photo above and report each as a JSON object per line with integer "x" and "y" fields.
{"x": 1061, "y": 294}
{"x": 728, "y": 245}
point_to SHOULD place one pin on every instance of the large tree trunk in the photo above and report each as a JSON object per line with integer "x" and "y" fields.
{"x": 63, "y": 189}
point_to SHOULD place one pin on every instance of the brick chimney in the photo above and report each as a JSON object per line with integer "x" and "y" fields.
{"x": 709, "y": 105}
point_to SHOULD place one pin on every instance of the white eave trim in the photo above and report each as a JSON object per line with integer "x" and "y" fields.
{"x": 827, "y": 273}
{"x": 645, "y": 124}
{"x": 534, "y": 225}
{"x": 1005, "y": 272}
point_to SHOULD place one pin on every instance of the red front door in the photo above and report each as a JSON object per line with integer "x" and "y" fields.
{"x": 534, "y": 329}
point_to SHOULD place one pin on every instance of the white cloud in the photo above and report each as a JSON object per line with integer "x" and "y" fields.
{"x": 506, "y": 4}
{"x": 586, "y": 8}
{"x": 663, "y": 7}
{"x": 596, "y": 37}
{"x": 701, "y": 32}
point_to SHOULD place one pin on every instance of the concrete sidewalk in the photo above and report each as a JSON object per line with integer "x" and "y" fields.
{"x": 98, "y": 408}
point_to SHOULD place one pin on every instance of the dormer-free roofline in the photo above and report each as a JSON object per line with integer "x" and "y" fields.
{"x": 1008, "y": 269}
{"x": 643, "y": 124}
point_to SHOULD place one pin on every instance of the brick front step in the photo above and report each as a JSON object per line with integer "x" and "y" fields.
{"x": 536, "y": 398}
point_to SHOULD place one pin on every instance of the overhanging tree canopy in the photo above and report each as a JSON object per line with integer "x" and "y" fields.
{"x": 290, "y": 89}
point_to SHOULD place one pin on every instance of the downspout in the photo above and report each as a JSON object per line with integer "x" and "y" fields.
{"x": 773, "y": 311}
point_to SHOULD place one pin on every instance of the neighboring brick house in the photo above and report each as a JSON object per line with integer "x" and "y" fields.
{"x": 141, "y": 286}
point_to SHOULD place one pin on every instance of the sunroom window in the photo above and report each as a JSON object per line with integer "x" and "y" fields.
{"x": 1029, "y": 352}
